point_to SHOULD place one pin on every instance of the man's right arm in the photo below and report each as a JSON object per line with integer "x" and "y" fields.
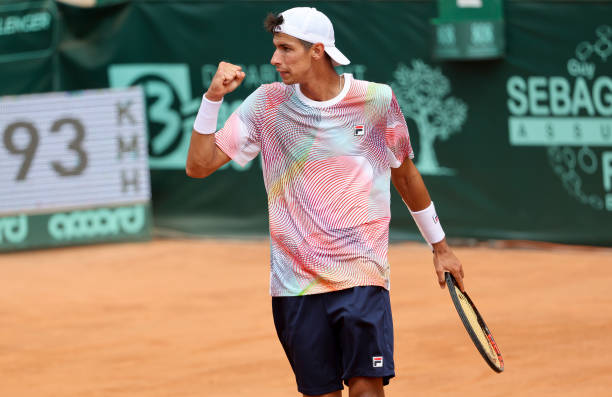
{"x": 204, "y": 156}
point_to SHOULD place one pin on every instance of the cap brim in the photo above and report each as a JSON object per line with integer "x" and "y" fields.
{"x": 337, "y": 57}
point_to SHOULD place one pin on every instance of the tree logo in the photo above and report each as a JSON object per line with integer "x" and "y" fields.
{"x": 421, "y": 92}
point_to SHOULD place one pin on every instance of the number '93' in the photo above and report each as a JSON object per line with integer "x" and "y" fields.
{"x": 27, "y": 149}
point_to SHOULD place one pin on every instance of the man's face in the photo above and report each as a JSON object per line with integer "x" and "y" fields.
{"x": 291, "y": 59}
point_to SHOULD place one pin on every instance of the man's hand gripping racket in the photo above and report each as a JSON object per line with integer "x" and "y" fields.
{"x": 445, "y": 261}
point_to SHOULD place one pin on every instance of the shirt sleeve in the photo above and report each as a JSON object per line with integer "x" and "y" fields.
{"x": 397, "y": 138}
{"x": 240, "y": 137}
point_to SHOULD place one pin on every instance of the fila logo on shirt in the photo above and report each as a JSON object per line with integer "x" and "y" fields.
{"x": 377, "y": 361}
{"x": 359, "y": 130}
{"x": 435, "y": 219}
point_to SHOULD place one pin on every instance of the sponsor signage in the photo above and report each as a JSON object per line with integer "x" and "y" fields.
{"x": 571, "y": 116}
{"x": 28, "y": 30}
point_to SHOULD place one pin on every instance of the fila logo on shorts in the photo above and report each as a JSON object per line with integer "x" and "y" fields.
{"x": 377, "y": 361}
{"x": 359, "y": 130}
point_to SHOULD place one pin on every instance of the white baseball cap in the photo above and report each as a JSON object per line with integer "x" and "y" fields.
{"x": 311, "y": 25}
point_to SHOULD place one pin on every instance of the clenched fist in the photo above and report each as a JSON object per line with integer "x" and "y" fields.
{"x": 227, "y": 78}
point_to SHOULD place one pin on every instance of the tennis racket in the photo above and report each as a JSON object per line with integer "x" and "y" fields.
{"x": 475, "y": 325}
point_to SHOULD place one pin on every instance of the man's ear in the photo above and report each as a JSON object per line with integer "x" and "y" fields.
{"x": 318, "y": 51}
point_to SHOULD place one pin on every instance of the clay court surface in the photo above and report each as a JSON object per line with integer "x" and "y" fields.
{"x": 193, "y": 318}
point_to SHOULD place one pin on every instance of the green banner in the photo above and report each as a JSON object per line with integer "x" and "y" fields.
{"x": 92, "y": 225}
{"x": 29, "y": 38}
{"x": 517, "y": 148}
{"x": 27, "y": 30}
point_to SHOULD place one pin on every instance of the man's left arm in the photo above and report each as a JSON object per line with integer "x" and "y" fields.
{"x": 409, "y": 184}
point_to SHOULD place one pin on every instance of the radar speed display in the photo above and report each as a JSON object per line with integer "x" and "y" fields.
{"x": 73, "y": 168}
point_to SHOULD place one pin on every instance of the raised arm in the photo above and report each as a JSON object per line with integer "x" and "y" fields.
{"x": 204, "y": 156}
{"x": 409, "y": 184}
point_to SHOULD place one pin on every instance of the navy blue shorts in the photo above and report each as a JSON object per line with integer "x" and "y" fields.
{"x": 335, "y": 336}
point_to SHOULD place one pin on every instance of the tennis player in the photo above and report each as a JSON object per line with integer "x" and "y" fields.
{"x": 329, "y": 144}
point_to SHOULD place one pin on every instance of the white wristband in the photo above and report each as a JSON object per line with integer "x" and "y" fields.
{"x": 429, "y": 224}
{"x": 206, "y": 120}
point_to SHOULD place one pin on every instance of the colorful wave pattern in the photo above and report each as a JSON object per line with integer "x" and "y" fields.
{"x": 328, "y": 185}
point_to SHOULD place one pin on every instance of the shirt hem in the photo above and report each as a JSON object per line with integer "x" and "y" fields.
{"x": 315, "y": 291}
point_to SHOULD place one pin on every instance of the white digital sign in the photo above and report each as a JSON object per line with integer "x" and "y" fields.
{"x": 67, "y": 150}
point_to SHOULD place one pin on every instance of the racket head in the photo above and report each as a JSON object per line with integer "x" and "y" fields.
{"x": 475, "y": 325}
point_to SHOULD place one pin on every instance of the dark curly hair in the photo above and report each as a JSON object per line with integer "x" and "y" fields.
{"x": 274, "y": 20}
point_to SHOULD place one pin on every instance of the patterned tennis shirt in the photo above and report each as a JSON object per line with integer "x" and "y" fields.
{"x": 327, "y": 169}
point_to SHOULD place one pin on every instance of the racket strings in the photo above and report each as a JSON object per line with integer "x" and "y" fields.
{"x": 472, "y": 318}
